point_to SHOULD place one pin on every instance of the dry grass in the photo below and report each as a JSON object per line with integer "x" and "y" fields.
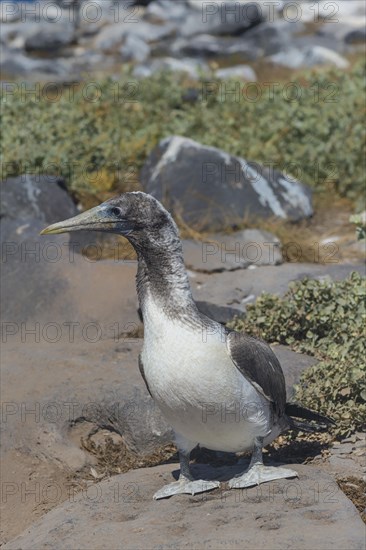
{"x": 115, "y": 458}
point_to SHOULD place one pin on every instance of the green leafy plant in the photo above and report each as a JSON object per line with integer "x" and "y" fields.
{"x": 326, "y": 319}
{"x": 360, "y": 221}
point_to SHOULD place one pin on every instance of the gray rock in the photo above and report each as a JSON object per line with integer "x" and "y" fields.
{"x": 243, "y": 72}
{"x": 50, "y": 304}
{"x": 342, "y": 32}
{"x": 209, "y": 46}
{"x": 9, "y": 11}
{"x": 212, "y": 190}
{"x": 93, "y": 15}
{"x": 13, "y": 64}
{"x": 244, "y": 286}
{"x": 39, "y": 197}
{"x": 230, "y": 252}
{"x": 356, "y": 36}
{"x": 50, "y": 38}
{"x": 112, "y": 36}
{"x": 273, "y": 36}
{"x": 166, "y": 10}
{"x": 63, "y": 382}
{"x": 224, "y": 18}
{"x": 135, "y": 49}
{"x": 192, "y": 67}
{"x": 86, "y": 60}
{"x": 14, "y": 35}
{"x": 294, "y": 58}
{"x": 63, "y": 282}
{"x": 299, "y": 514}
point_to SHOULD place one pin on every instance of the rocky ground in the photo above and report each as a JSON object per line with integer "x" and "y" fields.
{"x": 75, "y": 408}
{"x": 308, "y": 512}
{"x": 63, "y": 40}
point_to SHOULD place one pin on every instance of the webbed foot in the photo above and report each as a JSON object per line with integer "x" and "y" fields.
{"x": 258, "y": 473}
{"x": 186, "y": 486}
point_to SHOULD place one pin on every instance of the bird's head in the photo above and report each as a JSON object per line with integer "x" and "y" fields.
{"x": 131, "y": 214}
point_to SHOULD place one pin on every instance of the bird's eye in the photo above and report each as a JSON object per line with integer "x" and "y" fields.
{"x": 116, "y": 211}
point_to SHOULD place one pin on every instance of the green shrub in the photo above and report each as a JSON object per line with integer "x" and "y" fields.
{"x": 313, "y": 129}
{"x": 326, "y": 319}
{"x": 360, "y": 222}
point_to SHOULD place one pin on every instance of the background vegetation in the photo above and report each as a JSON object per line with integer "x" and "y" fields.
{"x": 98, "y": 136}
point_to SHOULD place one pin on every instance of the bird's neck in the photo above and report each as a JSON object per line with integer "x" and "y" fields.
{"x": 161, "y": 275}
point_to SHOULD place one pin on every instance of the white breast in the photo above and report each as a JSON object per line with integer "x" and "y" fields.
{"x": 197, "y": 386}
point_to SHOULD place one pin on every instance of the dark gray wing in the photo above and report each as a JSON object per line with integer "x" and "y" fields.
{"x": 142, "y": 372}
{"x": 257, "y": 362}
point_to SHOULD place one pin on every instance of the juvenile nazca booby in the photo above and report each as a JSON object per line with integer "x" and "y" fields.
{"x": 217, "y": 388}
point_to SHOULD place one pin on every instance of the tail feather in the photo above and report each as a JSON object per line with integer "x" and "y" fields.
{"x": 319, "y": 422}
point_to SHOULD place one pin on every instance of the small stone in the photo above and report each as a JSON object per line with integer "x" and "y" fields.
{"x": 243, "y": 72}
{"x": 135, "y": 49}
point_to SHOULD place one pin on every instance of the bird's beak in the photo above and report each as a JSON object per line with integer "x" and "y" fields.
{"x": 95, "y": 219}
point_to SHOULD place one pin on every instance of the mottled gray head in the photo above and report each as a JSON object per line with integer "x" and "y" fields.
{"x": 134, "y": 215}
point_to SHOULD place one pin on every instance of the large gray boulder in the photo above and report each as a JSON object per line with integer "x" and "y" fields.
{"x": 14, "y": 63}
{"x": 346, "y": 33}
{"x": 303, "y": 513}
{"x": 113, "y": 35}
{"x": 40, "y": 197}
{"x": 309, "y": 56}
{"x": 211, "y": 189}
{"x": 50, "y": 37}
{"x": 272, "y": 36}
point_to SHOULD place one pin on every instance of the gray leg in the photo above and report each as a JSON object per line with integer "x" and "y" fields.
{"x": 257, "y": 473}
{"x": 186, "y": 483}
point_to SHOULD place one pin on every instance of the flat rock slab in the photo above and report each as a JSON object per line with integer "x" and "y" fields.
{"x": 303, "y": 513}
{"x": 238, "y": 288}
{"x": 67, "y": 384}
{"x": 220, "y": 252}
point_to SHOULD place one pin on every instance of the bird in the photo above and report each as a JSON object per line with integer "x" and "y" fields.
{"x": 218, "y": 388}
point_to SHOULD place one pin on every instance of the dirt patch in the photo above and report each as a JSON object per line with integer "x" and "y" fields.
{"x": 111, "y": 455}
{"x": 355, "y": 489}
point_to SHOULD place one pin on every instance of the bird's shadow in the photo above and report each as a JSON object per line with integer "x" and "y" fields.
{"x": 215, "y": 473}
{"x": 210, "y": 465}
